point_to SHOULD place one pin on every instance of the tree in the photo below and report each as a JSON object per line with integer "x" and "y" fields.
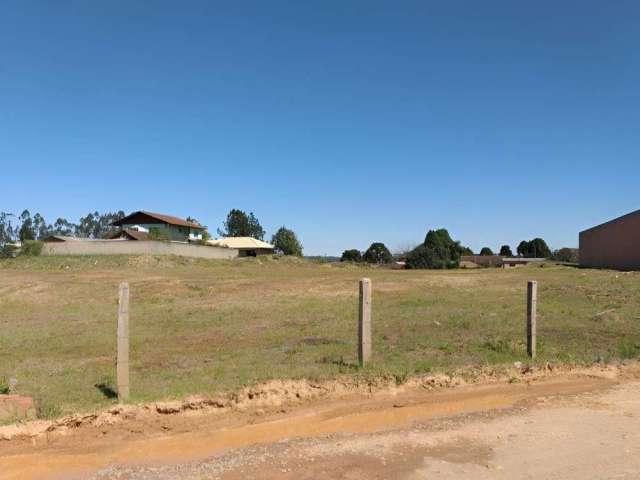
{"x": 443, "y": 244}
{"x": 536, "y": 248}
{"x": 87, "y": 225}
{"x": 403, "y": 249}
{"x": 444, "y": 252}
{"x": 286, "y": 242}
{"x": 96, "y": 225}
{"x": 462, "y": 250}
{"x": 505, "y": 251}
{"x": 8, "y": 231}
{"x": 239, "y": 224}
{"x": 523, "y": 248}
{"x": 486, "y": 252}
{"x": 40, "y": 227}
{"x": 423, "y": 257}
{"x": 437, "y": 251}
{"x": 351, "y": 256}
{"x": 26, "y": 229}
{"x": 567, "y": 255}
{"x": 63, "y": 227}
{"x": 377, "y": 253}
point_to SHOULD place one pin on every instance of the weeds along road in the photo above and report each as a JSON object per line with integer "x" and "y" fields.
{"x": 583, "y": 425}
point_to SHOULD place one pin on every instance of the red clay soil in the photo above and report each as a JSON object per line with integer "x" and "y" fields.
{"x": 142, "y": 440}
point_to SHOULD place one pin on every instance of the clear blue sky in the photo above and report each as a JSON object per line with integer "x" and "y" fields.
{"x": 348, "y": 121}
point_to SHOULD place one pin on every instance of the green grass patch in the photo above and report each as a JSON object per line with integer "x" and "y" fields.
{"x": 202, "y": 326}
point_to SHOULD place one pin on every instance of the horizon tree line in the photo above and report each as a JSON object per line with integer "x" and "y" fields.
{"x": 24, "y": 227}
{"x": 440, "y": 251}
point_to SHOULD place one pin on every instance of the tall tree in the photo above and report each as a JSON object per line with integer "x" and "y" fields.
{"x": 286, "y": 242}
{"x": 87, "y": 225}
{"x": 377, "y": 253}
{"x": 523, "y": 248}
{"x": 486, "y": 252}
{"x": 26, "y": 228}
{"x": 63, "y": 227}
{"x": 536, "y": 248}
{"x": 438, "y": 251}
{"x": 505, "y": 251}
{"x": 96, "y": 225}
{"x": 239, "y": 224}
{"x": 40, "y": 227}
{"x": 8, "y": 231}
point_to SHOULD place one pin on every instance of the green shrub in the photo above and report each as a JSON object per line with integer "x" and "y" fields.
{"x": 159, "y": 234}
{"x": 422, "y": 257}
{"x": 352, "y": 255}
{"x": 567, "y": 255}
{"x": 438, "y": 251}
{"x": 286, "y": 242}
{"x": 8, "y": 251}
{"x": 31, "y": 248}
{"x": 628, "y": 349}
{"x": 401, "y": 377}
{"x": 4, "y": 386}
{"x": 377, "y": 253}
{"x": 47, "y": 410}
{"x": 505, "y": 251}
{"x": 536, "y": 248}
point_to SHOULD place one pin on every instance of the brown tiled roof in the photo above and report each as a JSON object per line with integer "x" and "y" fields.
{"x": 171, "y": 220}
{"x": 131, "y": 234}
{"x": 136, "y": 235}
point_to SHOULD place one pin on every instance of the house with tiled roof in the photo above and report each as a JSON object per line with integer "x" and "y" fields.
{"x": 143, "y": 225}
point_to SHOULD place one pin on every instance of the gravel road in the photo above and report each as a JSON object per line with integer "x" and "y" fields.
{"x": 588, "y": 436}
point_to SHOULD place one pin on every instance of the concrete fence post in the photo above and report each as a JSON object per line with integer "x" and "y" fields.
{"x": 532, "y": 307}
{"x": 122, "y": 360}
{"x": 364, "y": 322}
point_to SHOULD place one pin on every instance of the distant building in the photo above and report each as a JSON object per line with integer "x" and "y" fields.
{"x": 510, "y": 262}
{"x": 614, "y": 244}
{"x": 477, "y": 261}
{"x": 247, "y": 246}
{"x": 132, "y": 234}
{"x": 139, "y": 225}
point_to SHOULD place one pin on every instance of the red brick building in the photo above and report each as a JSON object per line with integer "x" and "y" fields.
{"x": 615, "y": 244}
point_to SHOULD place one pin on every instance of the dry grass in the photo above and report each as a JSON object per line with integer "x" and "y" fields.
{"x": 202, "y": 326}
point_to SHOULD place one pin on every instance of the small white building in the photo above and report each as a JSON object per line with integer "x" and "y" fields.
{"x": 247, "y": 246}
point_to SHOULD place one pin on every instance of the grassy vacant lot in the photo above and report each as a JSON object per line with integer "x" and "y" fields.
{"x": 202, "y": 326}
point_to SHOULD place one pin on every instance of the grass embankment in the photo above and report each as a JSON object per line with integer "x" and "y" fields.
{"x": 202, "y": 326}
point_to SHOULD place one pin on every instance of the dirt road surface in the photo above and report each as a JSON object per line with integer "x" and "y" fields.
{"x": 569, "y": 427}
